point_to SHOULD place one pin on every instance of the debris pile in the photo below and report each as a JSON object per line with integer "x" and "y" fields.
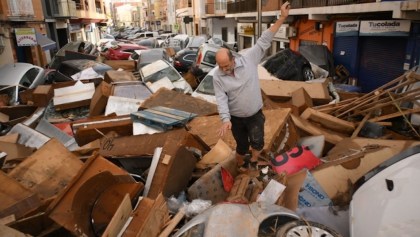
{"x": 108, "y": 158}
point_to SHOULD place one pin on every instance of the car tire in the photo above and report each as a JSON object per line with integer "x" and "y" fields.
{"x": 308, "y": 74}
{"x": 305, "y": 228}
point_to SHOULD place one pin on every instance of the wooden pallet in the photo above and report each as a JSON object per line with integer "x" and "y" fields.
{"x": 162, "y": 117}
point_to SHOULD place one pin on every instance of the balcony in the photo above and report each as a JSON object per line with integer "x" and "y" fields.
{"x": 20, "y": 10}
{"x": 216, "y": 9}
{"x": 242, "y": 6}
{"x": 63, "y": 9}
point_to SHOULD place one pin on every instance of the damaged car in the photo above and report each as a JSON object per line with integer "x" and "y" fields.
{"x": 251, "y": 220}
{"x": 161, "y": 69}
{"x": 289, "y": 65}
{"x": 18, "y": 77}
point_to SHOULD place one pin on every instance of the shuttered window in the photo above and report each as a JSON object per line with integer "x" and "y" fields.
{"x": 21, "y": 7}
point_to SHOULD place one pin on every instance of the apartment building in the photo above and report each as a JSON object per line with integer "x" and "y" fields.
{"x": 23, "y": 32}
{"x": 376, "y": 41}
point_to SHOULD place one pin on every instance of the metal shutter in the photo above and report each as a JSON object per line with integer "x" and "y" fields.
{"x": 381, "y": 60}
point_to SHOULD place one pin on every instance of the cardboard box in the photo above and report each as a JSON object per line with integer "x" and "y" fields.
{"x": 42, "y": 95}
{"x": 100, "y": 99}
{"x": 73, "y": 96}
{"x": 118, "y": 76}
{"x": 279, "y": 90}
{"x": 301, "y": 99}
{"x": 129, "y": 65}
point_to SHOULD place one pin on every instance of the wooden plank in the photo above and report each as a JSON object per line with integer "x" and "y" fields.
{"x": 306, "y": 126}
{"x": 173, "y": 223}
{"x": 48, "y": 170}
{"x": 7, "y": 231}
{"x": 15, "y": 198}
{"x": 149, "y": 218}
{"x": 119, "y": 219}
{"x": 394, "y": 115}
{"x": 361, "y": 124}
{"x": 328, "y": 121}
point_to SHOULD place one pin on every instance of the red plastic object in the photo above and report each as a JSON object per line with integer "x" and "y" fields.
{"x": 227, "y": 179}
{"x": 294, "y": 160}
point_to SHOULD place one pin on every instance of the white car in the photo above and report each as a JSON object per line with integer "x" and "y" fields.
{"x": 17, "y": 77}
{"x": 161, "y": 69}
{"x": 205, "y": 89}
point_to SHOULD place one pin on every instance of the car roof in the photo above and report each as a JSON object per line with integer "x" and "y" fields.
{"x": 12, "y": 73}
{"x": 154, "y": 67}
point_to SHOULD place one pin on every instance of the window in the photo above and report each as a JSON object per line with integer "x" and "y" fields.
{"x": 190, "y": 57}
{"x": 21, "y": 7}
{"x": 210, "y": 57}
{"x": 78, "y": 4}
{"x": 220, "y": 5}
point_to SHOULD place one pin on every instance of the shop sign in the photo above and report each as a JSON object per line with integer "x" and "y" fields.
{"x": 25, "y": 37}
{"x": 385, "y": 28}
{"x": 245, "y": 28}
{"x": 347, "y": 28}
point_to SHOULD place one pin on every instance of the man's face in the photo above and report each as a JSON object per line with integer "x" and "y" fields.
{"x": 227, "y": 66}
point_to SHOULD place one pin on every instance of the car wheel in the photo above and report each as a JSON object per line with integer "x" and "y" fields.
{"x": 308, "y": 74}
{"x": 301, "y": 228}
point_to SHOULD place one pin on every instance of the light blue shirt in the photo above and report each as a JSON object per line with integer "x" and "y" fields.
{"x": 240, "y": 95}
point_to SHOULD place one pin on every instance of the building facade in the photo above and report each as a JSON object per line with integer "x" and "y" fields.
{"x": 376, "y": 41}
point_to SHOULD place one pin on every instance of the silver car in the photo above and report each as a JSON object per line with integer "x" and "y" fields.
{"x": 17, "y": 77}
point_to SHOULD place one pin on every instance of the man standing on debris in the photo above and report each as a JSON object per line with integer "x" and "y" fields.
{"x": 238, "y": 93}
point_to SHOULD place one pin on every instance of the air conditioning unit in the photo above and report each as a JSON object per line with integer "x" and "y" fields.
{"x": 286, "y": 32}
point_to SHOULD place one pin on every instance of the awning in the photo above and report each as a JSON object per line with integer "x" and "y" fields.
{"x": 45, "y": 42}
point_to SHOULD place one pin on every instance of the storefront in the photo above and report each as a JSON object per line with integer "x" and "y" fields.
{"x": 374, "y": 52}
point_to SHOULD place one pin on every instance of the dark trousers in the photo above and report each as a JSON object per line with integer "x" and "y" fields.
{"x": 248, "y": 131}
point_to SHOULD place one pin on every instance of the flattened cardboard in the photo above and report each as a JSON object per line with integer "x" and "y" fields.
{"x": 48, "y": 170}
{"x": 217, "y": 154}
{"x": 15, "y": 152}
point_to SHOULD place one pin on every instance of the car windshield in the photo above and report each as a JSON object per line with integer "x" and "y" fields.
{"x": 168, "y": 72}
{"x": 206, "y": 86}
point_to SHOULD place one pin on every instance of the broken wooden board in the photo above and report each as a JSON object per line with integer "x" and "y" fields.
{"x": 48, "y": 170}
{"x": 149, "y": 218}
{"x": 162, "y": 117}
{"x": 97, "y": 175}
{"x": 206, "y": 128}
{"x": 88, "y": 130}
{"x": 217, "y": 154}
{"x": 180, "y": 101}
{"x": 306, "y": 126}
{"x": 119, "y": 218}
{"x": 16, "y": 199}
{"x": 337, "y": 180}
{"x": 7, "y": 231}
{"x": 15, "y": 153}
{"x": 328, "y": 121}
{"x": 134, "y": 146}
{"x": 282, "y": 90}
